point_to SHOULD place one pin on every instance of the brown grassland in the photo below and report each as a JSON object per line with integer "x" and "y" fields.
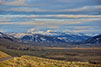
{"x": 3, "y": 55}
{"x": 53, "y": 57}
{"x": 31, "y": 61}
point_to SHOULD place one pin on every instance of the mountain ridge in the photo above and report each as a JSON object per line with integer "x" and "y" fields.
{"x": 93, "y": 40}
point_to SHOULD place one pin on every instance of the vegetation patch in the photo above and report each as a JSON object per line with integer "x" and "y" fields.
{"x": 3, "y": 55}
{"x": 31, "y": 61}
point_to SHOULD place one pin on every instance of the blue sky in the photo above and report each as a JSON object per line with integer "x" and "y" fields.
{"x": 82, "y": 16}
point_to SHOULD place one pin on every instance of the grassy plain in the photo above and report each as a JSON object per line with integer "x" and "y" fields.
{"x": 32, "y": 61}
{"x": 92, "y": 55}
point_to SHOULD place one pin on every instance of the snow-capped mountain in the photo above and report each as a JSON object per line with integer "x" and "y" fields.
{"x": 59, "y": 37}
{"x": 73, "y": 37}
{"x": 51, "y": 36}
{"x": 42, "y": 38}
{"x": 18, "y": 35}
{"x": 54, "y": 32}
{"x": 5, "y": 36}
{"x": 62, "y": 37}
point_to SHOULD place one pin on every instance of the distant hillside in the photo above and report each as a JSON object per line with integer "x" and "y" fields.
{"x": 8, "y": 37}
{"x": 9, "y": 41}
{"x": 93, "y": 40}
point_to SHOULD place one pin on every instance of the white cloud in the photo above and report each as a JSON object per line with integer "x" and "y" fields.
{"x": 51, "y": 24}
{"x": 82, "y": 27}
{"x": 28, "y": 9}
{"x": 3, "y": 20}
{"x": 13, "y": 3}
{"x": 54, "y": 16}
{"x": 85, "y": 8}
{"x": 78, "y": 16}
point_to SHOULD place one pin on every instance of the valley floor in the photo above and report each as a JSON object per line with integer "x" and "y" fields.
{"x": 52, "y": 57}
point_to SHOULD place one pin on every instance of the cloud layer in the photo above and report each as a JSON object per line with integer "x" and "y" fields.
{"x": 63, "y": 15}
{"x": 75, "y": 23}
{"x": 50, "y": 7}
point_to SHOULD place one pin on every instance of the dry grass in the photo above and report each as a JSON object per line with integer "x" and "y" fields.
{"x": 3, "y": 55}
{"x": 31, "y": 61}
{"x": 73, "y": 55}
{"x": 94, "y": 48}
{"x": 54, "y": 48}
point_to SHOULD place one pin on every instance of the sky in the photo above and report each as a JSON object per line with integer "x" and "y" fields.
{"x": 81, "y": 16}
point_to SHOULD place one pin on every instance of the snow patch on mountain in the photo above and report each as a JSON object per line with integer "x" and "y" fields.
{"x": 18, "y": 35}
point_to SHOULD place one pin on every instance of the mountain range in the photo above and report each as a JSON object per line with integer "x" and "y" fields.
{"x": 53, "y": 37}
{"x": 59, "y": 38}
